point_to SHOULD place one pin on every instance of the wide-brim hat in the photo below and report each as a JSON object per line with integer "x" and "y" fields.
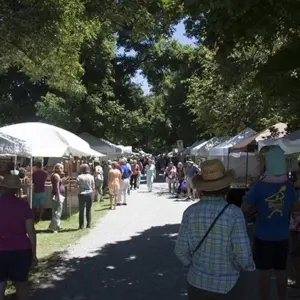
{"x": 213, "y": 176}
{"x": 11, "y": 181}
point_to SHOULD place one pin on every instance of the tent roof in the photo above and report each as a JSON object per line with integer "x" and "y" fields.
{"x": 44, "y": 140}
{"x": 101, "y": 145}
{"x": 265, "y": 134}
{"x": 222, "y": 149}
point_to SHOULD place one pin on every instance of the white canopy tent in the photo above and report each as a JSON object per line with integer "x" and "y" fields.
{"x": 126, "y": 149}
{"x": 202, "y": 150}
{"x": 223, "y": 148}
{"x": 102, "y": 145}
{"x": 44, "y": 140}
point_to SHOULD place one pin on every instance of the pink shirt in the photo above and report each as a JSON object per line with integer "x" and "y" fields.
{"x": 13, "y": 214}
{"x": 39, "y": 178}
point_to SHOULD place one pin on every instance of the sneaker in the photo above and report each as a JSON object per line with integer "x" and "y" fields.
{"x": 88, "y": 226}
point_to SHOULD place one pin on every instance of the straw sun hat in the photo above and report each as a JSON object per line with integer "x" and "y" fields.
{"x": 213, "y": 176}
{"x": 11, "y": 181}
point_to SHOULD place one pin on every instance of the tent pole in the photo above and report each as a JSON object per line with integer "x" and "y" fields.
{"x": 31, "y": 183}
{"x": 228, "y": 158}
{"x": 247, "y": 161}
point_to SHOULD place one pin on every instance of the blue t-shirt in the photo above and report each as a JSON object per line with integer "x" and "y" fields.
{"x": 125, "y": 171}
{"x": 273, "y": 202}
{"x": 192, "y": 171}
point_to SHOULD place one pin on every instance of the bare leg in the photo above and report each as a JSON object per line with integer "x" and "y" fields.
{"x": 281, "y": 283}
{"x": 264, "y": 284}
{"x": 111, "y": 200}
{"x": 115, "y": 200}
{"x": 41, "y": 212}
{"x": 22, "y": 290}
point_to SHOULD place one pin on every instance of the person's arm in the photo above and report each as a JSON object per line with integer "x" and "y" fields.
{"x": 93, "y": 183}
{"x": 182, "y": 248}
{"x": 243, "y": 258}
{"x": 56, "y": 179}
{"x": 249, "y": 200}
{"x": 30, "y": 230}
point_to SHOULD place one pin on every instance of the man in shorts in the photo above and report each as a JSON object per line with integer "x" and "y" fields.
{"x": 39, "y": 178}
{"x": 274, "y": 198}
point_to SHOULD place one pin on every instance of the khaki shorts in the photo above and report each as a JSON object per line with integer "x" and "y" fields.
{"x": 189, "y": 184}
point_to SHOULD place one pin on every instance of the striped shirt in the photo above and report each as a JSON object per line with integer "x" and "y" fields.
{"x": 217, "y": 264}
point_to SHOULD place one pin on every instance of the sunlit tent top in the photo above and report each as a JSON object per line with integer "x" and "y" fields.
{"x": 101, "y": 145}
{"x": 190, "y": 150}
{"x": 278, "y": 131}
{"x": 202, "y": 150}
{"x": 44, "y": 140}
{"x": 222, "y": 149}
{"x": 126, "y": 149}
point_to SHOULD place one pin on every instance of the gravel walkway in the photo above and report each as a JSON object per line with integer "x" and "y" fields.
{"x": 127, "y": 256}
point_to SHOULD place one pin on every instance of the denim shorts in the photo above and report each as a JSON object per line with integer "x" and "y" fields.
{"x": 38, "y": 199}
{"x": 15, "y": 265}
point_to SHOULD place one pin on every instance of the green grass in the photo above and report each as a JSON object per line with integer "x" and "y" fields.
{"x": 50, "y": 244}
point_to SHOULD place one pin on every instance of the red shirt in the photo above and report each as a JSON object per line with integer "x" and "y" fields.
{"x": 13, "y": 214}
{"x": 135, "y": 169}
{"x": 39, "y": 178}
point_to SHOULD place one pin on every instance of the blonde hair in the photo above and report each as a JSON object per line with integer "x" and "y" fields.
{"x": 58, "y": 166}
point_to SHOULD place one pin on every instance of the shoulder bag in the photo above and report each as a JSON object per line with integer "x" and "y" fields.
{"x": 211, "y": 227}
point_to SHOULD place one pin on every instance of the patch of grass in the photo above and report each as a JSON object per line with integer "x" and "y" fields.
{"x": 48, "y": 242}
{"x": 49, "y": 245}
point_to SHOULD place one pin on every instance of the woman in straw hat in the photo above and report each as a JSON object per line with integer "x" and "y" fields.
{"x": 17, "y": 238}
{"x": 114, "y": 183}
{"x": 58, "y": 196}
{"x": 86, "y": 188}
{"x": 212, "y": 239}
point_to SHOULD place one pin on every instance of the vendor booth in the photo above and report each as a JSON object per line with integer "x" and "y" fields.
{"x": 43, "y": 140}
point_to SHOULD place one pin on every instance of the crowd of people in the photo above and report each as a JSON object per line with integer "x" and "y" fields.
{"x": 179, "y": 179}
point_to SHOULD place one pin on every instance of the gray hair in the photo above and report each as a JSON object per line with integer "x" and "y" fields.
{"x": 84, "y": 168}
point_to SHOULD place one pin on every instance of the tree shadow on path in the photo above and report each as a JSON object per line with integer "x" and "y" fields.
{"x": 142, "y": 268}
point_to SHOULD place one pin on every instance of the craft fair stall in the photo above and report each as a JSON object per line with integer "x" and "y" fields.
{"x": 103, "y": 146}
{"x": 44, "y": 140}
{"x": 250, "y": 160}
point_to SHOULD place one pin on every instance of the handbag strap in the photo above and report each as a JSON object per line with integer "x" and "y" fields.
{"x": 211, "y": 227}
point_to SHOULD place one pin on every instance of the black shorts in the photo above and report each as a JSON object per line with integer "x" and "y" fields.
{"x": 270, "y": 254}
{"x": 15, "y": 265}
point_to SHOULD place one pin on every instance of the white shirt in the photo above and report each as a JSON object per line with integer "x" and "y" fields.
{"x": 86, "y": 183}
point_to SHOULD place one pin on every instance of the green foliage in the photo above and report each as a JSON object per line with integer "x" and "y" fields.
{"x": 58, "y": 64}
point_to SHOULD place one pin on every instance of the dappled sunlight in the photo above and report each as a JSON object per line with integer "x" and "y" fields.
{"x": 143, "y": 267}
